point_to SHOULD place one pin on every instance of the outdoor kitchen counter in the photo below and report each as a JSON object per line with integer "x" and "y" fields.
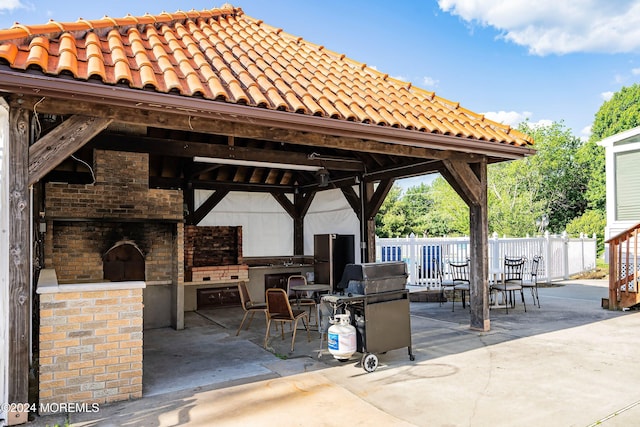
{"x": 279, "y": 266}
{"x": 48, "y": 284}
{"x": 256, "y": 283}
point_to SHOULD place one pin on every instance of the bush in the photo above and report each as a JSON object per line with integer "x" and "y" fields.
{"x": 591, "y": 222}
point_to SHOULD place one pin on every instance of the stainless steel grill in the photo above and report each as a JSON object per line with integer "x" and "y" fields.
{"x": 375, "y": 296}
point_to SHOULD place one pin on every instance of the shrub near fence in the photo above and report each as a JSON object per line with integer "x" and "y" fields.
{"x": 562, "y": 256}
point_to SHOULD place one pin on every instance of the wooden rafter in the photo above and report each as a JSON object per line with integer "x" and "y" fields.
{"x": 53, "y": 148}
{"x": 373, "y": 205}
{"x": 211, "y": 202}
{"x": 353, "y": 199}
{"x": 466, "y": 181}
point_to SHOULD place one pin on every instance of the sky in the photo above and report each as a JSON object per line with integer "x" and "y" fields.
{"x": 512, "y": 60}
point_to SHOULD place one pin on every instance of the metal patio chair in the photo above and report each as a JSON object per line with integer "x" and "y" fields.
{"x": 249, "y": 306}
{"x": 279, "y": 310}
{"x": 512, "y": 279}
{"x": 460, "y": 280}
{"x": 532, "y": 282}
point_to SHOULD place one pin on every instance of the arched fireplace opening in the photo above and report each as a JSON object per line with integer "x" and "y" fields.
{"x": 123, "y": 262}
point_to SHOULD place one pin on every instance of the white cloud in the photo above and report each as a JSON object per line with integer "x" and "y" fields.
{"x": 635, "y": 71}
{"x": 606, "y": 95}
{"x": 10, "y": 5}
{"x": 511, "y": 118}
{"x": 585, "y": 133}
{"x": 557, "y": 27}
{"x": 430, "y": 82}
{"x": 514, "y": 118}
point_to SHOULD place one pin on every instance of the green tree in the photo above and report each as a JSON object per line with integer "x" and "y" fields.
{"x": 512, "y": 198}
{"x": 591, "y": 222}
{"x": 591, "y": 157}
{"x": 561, "y": 179}
{"x": 449, "y": 215}
{"x": 390, "y": 220}
{"x": 620, "y": 113}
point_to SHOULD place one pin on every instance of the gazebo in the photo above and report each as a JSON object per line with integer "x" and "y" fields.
{"x": 110, "y": 128}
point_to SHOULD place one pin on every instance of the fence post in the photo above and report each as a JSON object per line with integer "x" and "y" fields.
{"x": 413, "y": 264}
{"x": 582, "y": 237}
{"x": 547, "y": 259}
{"x": 565, "y": 255}
{"x": 495, "y": 252}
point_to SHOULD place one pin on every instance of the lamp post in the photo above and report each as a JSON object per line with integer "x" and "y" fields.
{"x": 542, "y": 223}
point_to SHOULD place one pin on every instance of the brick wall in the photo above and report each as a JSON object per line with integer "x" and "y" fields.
{"x": 212, "y": 245}
{"x": 90, "y": 346}
{"x": 85, "y": 221}
{"x": 121, "y": 190}
{"x": 219, "y": 273}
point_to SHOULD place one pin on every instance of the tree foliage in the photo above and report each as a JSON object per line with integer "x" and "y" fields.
{"x": 590, "y": 223}
{"x": 561, "y": 179}
{"x": 513, "y": 203}
{"x": 620, "y": 113}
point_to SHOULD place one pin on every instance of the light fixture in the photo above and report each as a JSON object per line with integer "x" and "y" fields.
{"x": 323, "y": 177}
{"x": 255, "y": 163}
{"x": 42, "y": 224}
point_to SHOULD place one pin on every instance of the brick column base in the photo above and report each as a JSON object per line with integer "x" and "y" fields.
{"x": 90, "y": 343}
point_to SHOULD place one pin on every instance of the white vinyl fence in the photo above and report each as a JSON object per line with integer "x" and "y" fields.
{"x": 562, "y": 256}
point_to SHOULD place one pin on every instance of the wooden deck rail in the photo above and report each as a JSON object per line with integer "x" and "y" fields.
{"x": 623, "y": 269}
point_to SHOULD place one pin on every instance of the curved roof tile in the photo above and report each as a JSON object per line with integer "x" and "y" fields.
{"x": 225, "y": 56}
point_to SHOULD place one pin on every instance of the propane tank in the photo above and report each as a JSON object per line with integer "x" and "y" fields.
{"x": 341, "y": 338}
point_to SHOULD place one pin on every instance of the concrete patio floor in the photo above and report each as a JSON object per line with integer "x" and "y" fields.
{"x": 568, "y": 363}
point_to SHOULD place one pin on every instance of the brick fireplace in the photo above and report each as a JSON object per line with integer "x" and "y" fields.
{"x": 115, "y": 249}
{"x": 85, "y": 221}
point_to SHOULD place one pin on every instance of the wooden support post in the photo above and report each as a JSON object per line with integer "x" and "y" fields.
{"x": 298, "y": 236}
{"x": 479, "y": 239}
{"x": 470, "y": 182}
{"x": 19, "y": 253}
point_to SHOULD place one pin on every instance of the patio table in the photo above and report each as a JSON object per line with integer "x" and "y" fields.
{"x": 316, "y": 289}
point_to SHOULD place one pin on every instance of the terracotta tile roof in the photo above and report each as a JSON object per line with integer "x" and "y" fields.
{"x": 225, "y": 56}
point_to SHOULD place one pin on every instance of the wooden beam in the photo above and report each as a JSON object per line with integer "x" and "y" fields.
{"x": 216, "y": 124}
{"x": 211, "y": 202}
{"x": 377, "y": 198}
{"x": 372, "y": 202}
{"x": 415, "y": 168}
{"x": 466, "y": 180}
{"x": 286, "y": 204}
{"x": 50, "y": 150}
{"x": 455, "y": 185}
{"x": 178, "y": 148}
{"x": 303, "y": 201}
{"x": 19, "y": 263}
{"x": 353, "y": 199}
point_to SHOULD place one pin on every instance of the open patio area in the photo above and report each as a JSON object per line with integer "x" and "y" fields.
{"x": 569, "y": 362}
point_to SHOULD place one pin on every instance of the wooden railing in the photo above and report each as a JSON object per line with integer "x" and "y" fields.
{"x": 623, "y": 269}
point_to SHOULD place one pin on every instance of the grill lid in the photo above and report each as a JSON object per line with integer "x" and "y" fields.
{"x": 371, "y": 278}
